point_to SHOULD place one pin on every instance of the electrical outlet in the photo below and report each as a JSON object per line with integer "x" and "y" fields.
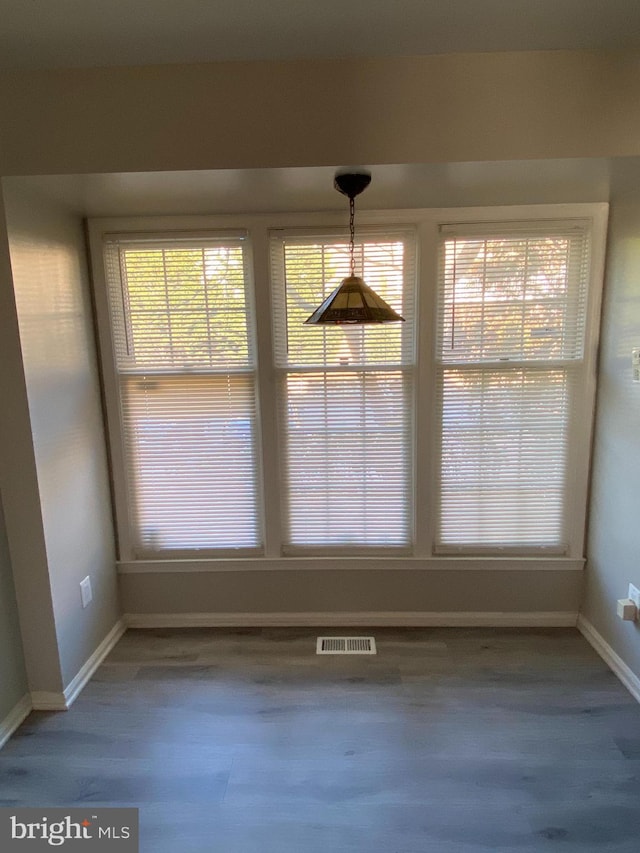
{"x": 634, "y": 595}
{"x": 85, "y": 591}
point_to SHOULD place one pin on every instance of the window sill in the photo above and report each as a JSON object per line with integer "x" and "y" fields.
{"x": 348, "y": 564}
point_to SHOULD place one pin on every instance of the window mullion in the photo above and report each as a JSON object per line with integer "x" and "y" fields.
{"x": 268, "y": 381}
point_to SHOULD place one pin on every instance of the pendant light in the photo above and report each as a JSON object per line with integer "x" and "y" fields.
{"x": 353, "y": 301}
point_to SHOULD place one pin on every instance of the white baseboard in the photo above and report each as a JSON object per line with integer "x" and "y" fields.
{"x": 626, "y": 675}
{"x": 75, "y": 687}
{"x": 418, "y": 619}
{"x": 45, "y": 700}
{"x": 15, "y": 718}
{"x": 48, "y": 701}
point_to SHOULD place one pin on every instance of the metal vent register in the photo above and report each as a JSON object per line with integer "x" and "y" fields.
{"x": 346, "y": 646}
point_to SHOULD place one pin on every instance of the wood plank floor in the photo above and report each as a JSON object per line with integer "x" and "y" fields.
{"x": 447, "y": 741}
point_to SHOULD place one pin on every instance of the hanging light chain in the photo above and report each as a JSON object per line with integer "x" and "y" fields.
{"x": 352, "y": 232}
{"x": 352, "y": 302}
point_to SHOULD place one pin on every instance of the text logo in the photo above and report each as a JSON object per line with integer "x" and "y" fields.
{"x": 31, "y": 830}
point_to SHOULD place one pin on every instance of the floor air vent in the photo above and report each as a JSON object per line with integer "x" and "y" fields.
{"x": 346, "y": 646}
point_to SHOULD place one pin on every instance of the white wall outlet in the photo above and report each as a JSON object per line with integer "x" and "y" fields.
{"x": 85, "y": 591}
{"x": 634, "y": 594}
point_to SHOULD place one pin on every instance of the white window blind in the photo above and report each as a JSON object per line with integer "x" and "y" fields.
{"x": 185, "y": 364}
{"x": 346, "y": 394}
{"x": 511, "y": 328}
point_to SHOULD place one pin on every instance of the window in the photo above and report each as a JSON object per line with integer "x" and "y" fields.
{"x": 185, "y": 365}
{"x": 244, "y": 439}
{"x": 511, "y": 333}
{"x": 346, "y": 395}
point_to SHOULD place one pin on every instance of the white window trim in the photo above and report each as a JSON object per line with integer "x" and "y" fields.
{"x": 406, "y": 366}
{"x": 427, "y": 223}
{"x": 573, "y": 367}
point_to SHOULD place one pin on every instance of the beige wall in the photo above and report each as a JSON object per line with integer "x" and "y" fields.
{"x": 460, "y": 107}
{"x": 13, "y": 674}
{"x": 614, "y": 528}
{"x": 54, "y": 312}
{"x": 379, "y": 592}
{"x": 382, "y": 586}
{"x": 21, "y": 498}
{"x": 242, "y": 115}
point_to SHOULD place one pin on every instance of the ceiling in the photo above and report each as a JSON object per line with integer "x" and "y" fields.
{"x": 311, "y": 188}
{"x": 82, "y": 33}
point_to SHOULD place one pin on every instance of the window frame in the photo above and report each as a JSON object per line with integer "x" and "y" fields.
{"x": 582, "y": 413}
{"x": 573, "y": 369}
{"x": 427, "y": 223}
{"x": 113, "y": 377}
{"x": 405, "y": 367}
